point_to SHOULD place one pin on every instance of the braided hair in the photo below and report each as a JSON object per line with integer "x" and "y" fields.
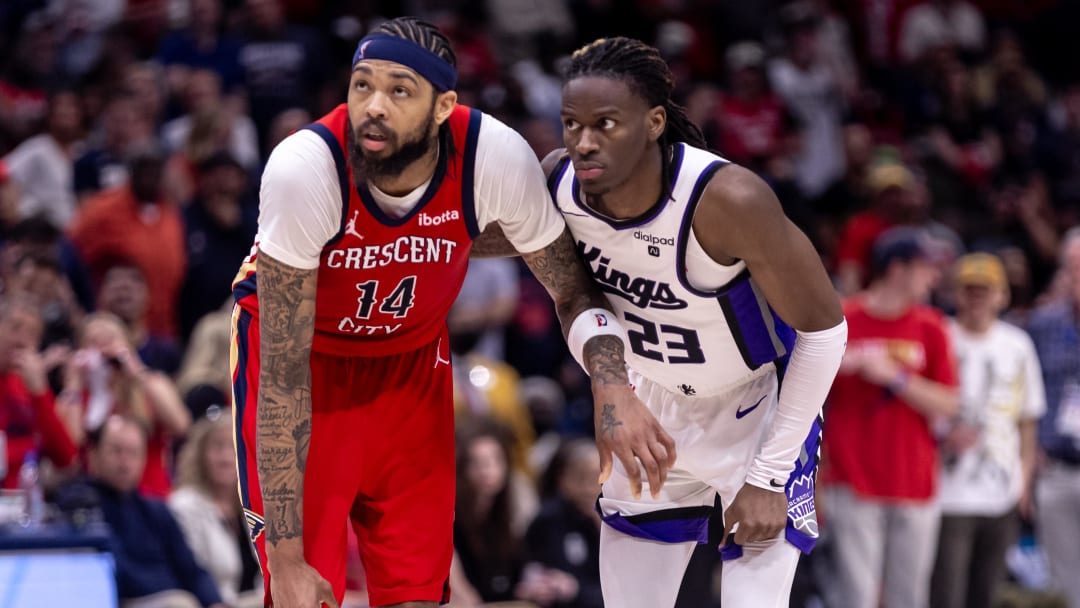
{"x": 422, "y": 33}
{"x": 642, "y": 68}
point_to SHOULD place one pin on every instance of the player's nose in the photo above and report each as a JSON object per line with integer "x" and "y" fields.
{"x": 587, "y": 142}
{"x": 377, "y": 104}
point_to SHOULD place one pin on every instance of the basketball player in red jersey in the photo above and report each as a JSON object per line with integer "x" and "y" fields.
{"x": 341, "y": 374}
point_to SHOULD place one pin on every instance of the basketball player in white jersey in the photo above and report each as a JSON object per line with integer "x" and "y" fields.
{"x": 723, "y": 300}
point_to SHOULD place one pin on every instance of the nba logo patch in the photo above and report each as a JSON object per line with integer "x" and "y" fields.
{"x": 601, "y": 321}
{"x": 654, "y": 251}
{"x": 363, "y": 49}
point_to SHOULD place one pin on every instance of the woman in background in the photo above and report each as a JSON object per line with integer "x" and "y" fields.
{"x": 208, "y": 510}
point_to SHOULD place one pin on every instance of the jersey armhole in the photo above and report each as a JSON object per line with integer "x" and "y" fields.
{"x": 343, "y": 175}
{"x": 686, "y": 232}
{"x": 468, "y": 174}
{"x": 555, "y": 179}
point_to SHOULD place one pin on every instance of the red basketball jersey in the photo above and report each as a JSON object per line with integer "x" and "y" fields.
{"x": 386, "y": 284}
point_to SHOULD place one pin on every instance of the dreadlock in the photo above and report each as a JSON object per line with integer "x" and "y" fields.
{"x": 642, "y": 68}
{"x": 422, "y": 33}
{"x": 428, "y": 36}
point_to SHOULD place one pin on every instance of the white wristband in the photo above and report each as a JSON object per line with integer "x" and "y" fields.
{"x": 589, "y": 324}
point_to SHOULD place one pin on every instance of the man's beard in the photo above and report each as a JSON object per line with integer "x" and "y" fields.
{"x": 415, "y": 147}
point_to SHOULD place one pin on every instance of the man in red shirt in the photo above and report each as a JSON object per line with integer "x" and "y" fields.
{"x": 342, "y": 379}
{"x": 28, "y": 417}
{"x": 881, "y": 459}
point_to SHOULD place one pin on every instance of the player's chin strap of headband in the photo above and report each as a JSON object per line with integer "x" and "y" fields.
{"x": 435, "y": 69}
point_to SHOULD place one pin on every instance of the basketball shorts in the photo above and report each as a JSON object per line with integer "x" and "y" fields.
{"x": 381, "y": 458}
{"x": 716, "y": 439}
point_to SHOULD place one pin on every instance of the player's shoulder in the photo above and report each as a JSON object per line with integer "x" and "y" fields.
{"x": 735, "y": 196}
{"x": 551, "y": 161}
{"x": 299, "y": 153}
{"x": 1013, "y": 334}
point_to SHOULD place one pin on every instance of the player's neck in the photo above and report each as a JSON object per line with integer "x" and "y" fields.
{"x": 638, "y": 193}
{"x": 415, "y": 175}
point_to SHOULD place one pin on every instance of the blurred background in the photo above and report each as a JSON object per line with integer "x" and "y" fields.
{"x": 132, "y": 137}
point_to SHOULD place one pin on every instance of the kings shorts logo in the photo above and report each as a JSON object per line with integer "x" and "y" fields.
{"x": 639, "y": 291}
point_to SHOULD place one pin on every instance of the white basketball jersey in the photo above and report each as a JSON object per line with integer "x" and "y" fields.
{"x": 694, "y": 326}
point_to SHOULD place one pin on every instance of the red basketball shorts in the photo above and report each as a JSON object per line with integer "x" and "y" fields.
{"x": 381, "y": 458}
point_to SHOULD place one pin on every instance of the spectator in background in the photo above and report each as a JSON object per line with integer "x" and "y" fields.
{"x": 283, "y": 65}
{"x": 812, "y": 94}
{"x": 29, "y": 70}
{"x": 203, "y": 380}
{"x": 749, "y": 124}
{"x": 489, "y": 526}
{"x": 203, "y": 96}
{"x": 154, "y": 565}
{"x": 39, "y": 237}
{"x": 988, "y": 450}
{"x": 37, "y": 275}
{"x": 102, "y": 166}
{"x": 220, "y": 224}
{"x": 30, "y": 420}
{"x": 1059, "y": 157}
{"x": 43, "y": 165}
{"x": 880, "y": 457}
{"x": 135, "y": 222}
{"x": 893, "y": 201}
{"x": 124, "y": 293}
{"x": 106, "y": 377}
{"x": 564, "y": 539}
{"x": 207, "y": 507}
{"x": 201, "y": 45}
{"x": 932, "y": 24}
{"x": 9, "y": 201}
{"x": 1055, "y": 329}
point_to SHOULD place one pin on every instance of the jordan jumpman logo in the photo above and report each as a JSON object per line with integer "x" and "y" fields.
{"x": 438, "y": 355}
{"x": 350, "y": 226}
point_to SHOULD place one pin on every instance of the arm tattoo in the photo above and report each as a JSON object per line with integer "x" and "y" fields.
{"x": 605, "y": 358}
{"x": 492, "y": 243}
{"x": 283, "y": 422}
{"x": 565, "y": 277}
{"x": 608, "y": 421}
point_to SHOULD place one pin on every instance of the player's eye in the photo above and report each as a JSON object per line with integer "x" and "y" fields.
{"x": 361, "y": 85}
{"x": 401, "y": 91}
{"x": 607, "y": 123}
{"x": 570, "y": 124}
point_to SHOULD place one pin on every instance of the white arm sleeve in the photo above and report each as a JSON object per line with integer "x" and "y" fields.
{"x": 511, "y": 189}
{"x": 299, "y": 201}
{"x": 810, "y": 372}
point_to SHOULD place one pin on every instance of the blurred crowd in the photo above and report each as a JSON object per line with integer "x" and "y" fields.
{"x": 929, "y": 148}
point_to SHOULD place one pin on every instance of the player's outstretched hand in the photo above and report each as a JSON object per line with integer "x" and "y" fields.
{"x": 625, "y": 427}
{"x": 295, "y": 584}
{"x": 761, "y": 515}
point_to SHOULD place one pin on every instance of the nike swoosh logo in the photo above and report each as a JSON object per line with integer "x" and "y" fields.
{"x": 739, "y": 413}
{"x": 772, "y": 482}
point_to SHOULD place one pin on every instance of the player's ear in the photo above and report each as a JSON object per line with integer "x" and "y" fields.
{"x": 656, "y": 122}
{"x": 444, "y": 106}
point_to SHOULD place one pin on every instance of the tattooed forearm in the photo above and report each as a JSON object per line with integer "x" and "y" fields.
{"x": 492, "y": 243}
{"x": 559, "y": 268}
{"x": 283, "y": 422}
{"x": 563, "y": 273}
{"x": 605, "y": 359}
{"x": 608, "y": 421}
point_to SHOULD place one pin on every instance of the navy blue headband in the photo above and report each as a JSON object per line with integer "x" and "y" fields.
{"x": 435, "y": 69}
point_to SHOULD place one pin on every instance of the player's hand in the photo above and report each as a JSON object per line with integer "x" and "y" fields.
{"x": 760, "y": 514}
{"x": 625, "y": 427}
{"x": 295, "y": 584}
